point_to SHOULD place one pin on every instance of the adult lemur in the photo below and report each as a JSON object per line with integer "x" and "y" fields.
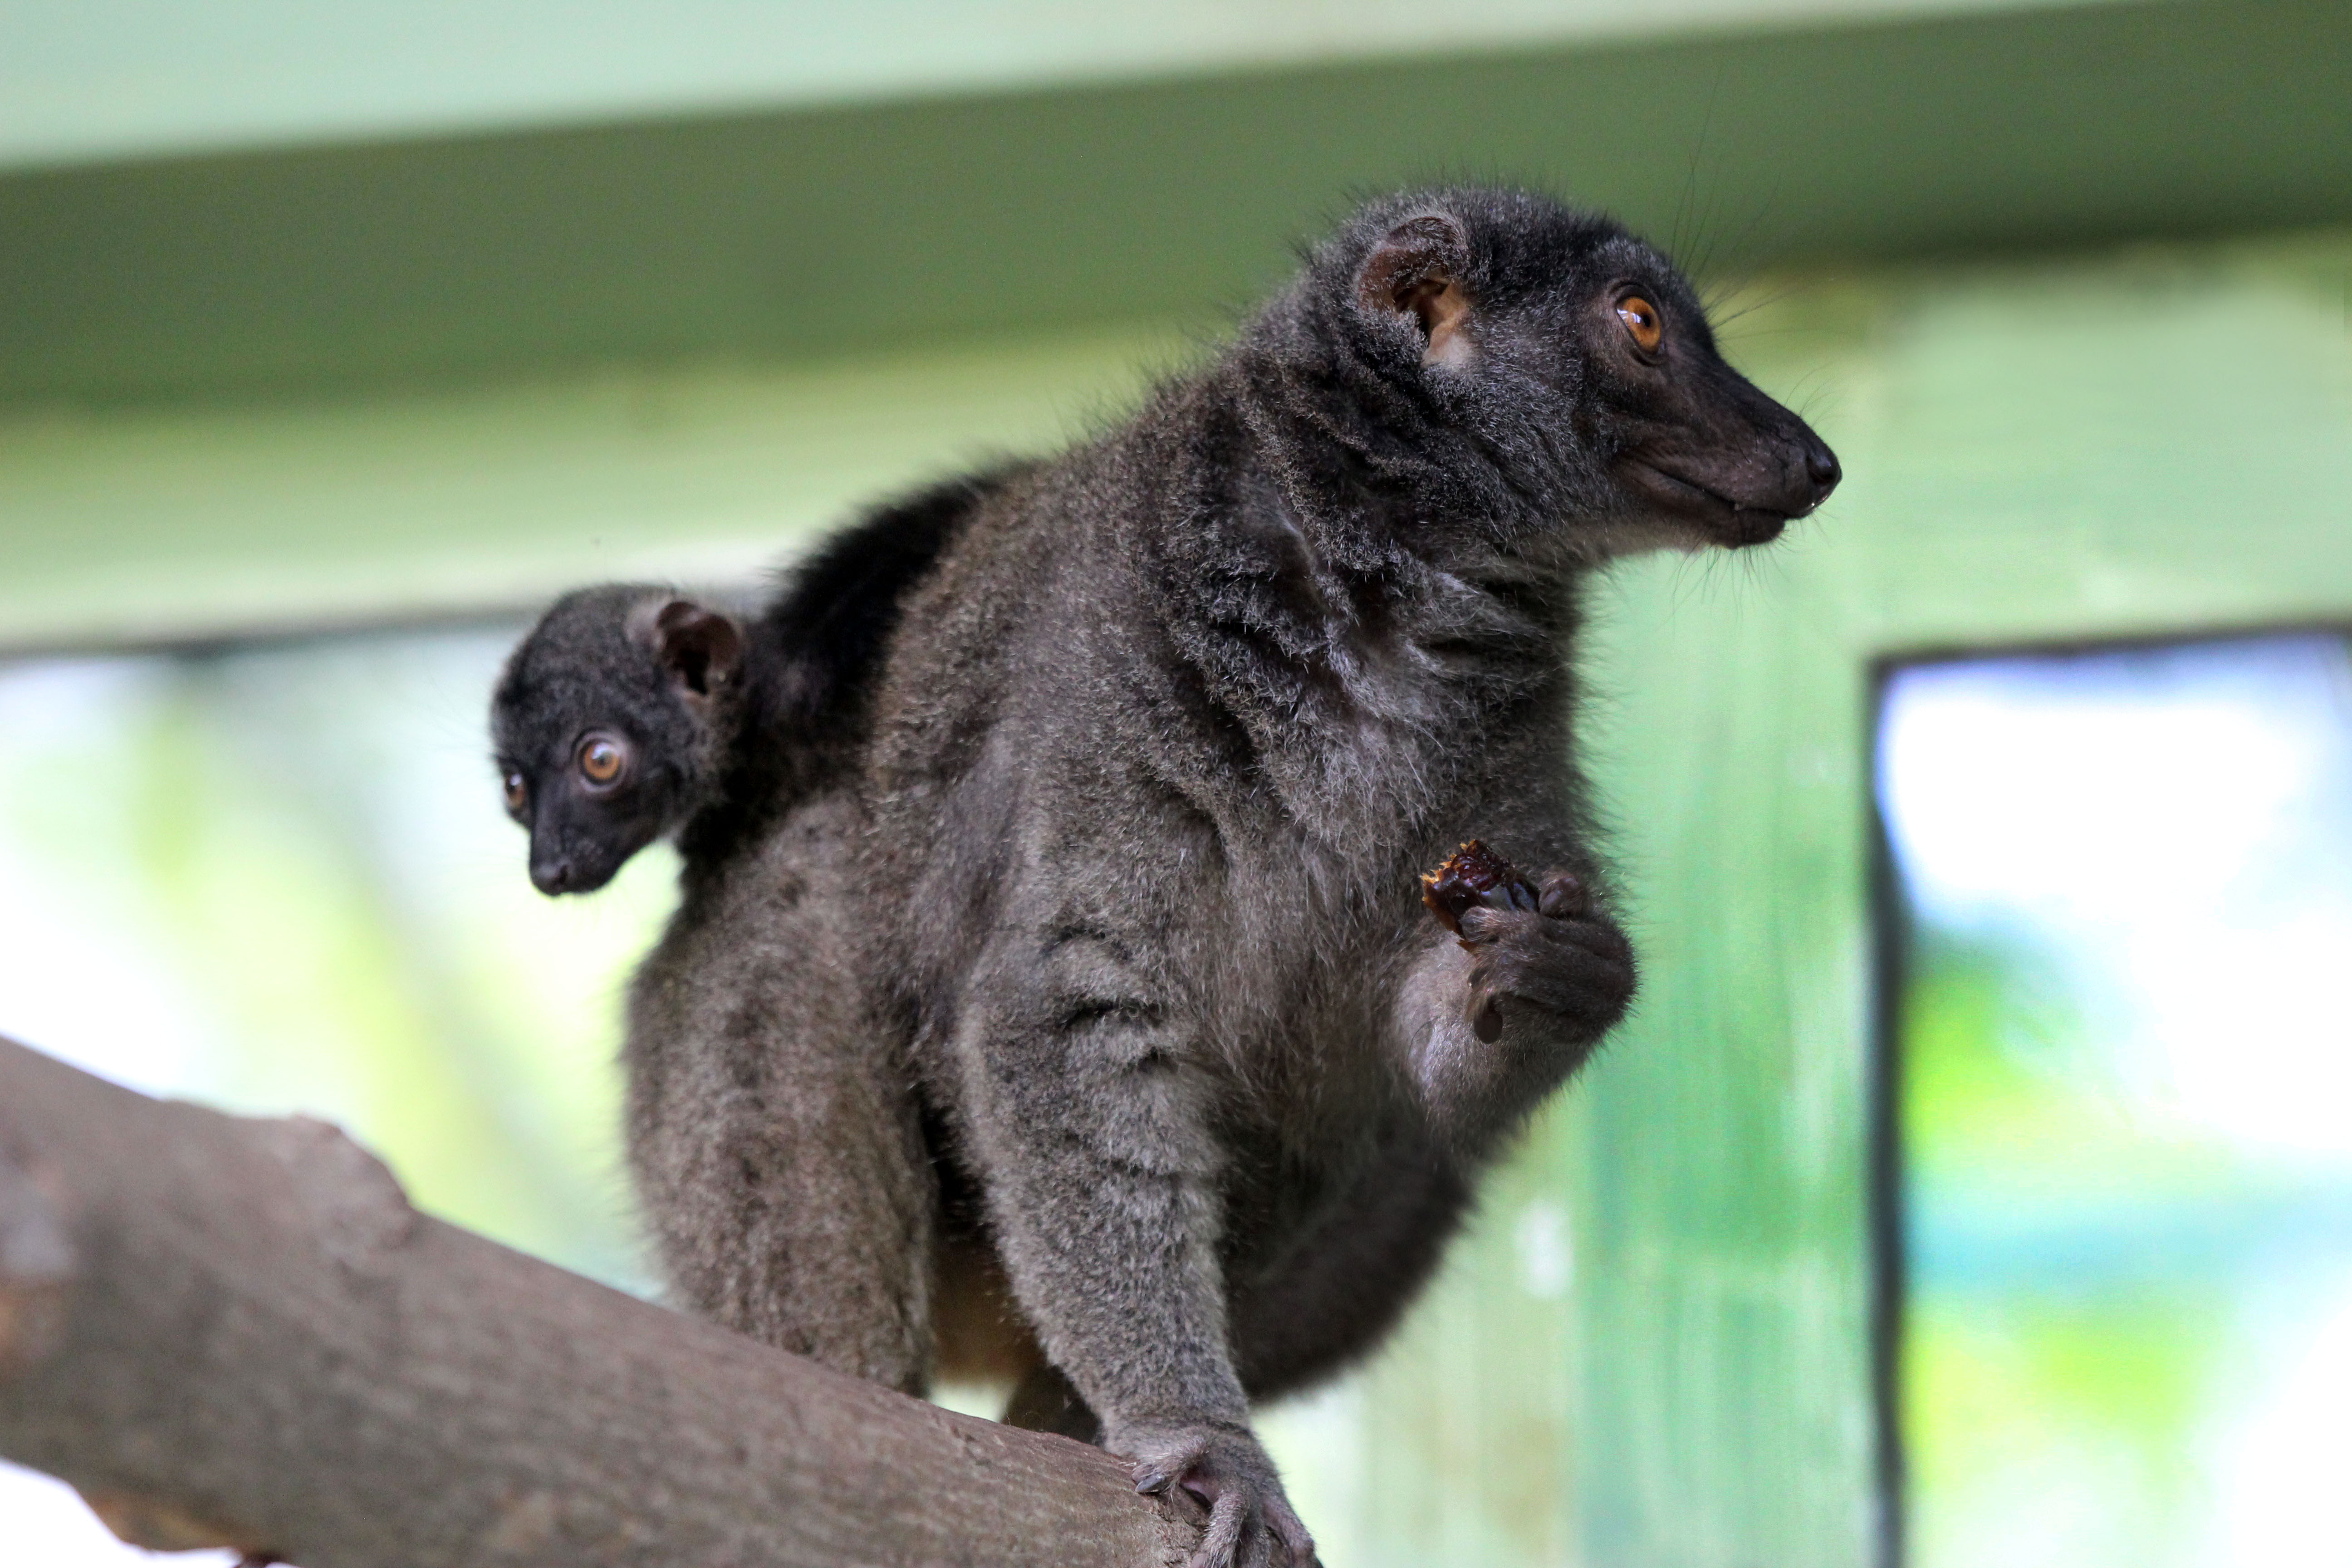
{"x": 1156, "y": 753}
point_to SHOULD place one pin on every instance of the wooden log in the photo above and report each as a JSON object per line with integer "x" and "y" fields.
{"x": 235, "y": 1331}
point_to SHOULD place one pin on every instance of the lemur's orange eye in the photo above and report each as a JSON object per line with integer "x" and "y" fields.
{"x": 517, "y": 790}
{"x": 1640, "y": 318}
{"x": 602, "y": 759}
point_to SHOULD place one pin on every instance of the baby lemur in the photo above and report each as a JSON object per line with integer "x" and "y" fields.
{"x": 1154, "y": 757}
{"x": 768, "y": 1130}
{"x": 629, "y": 712}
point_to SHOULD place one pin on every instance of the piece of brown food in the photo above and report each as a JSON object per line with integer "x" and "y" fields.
{"x": 1473, "y": 874}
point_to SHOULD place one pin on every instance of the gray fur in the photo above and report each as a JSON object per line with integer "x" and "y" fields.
{"x": 772, "y": 1134}
{"x": 1124, "y": 876}
{"x": 1160, "y": 748}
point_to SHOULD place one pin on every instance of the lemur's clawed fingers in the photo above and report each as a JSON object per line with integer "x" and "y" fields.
{"x": 1221, "y": 1543}
{"x": 1562, "y": 957}
{"x": 1250, "y": 1523}
{"x": 1565, "y": 896}
{"x": 1289, "y": 1533}
{"x": 1481, "y": 925}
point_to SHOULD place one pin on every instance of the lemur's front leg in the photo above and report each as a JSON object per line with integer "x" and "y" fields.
{"x": 1507, "y": 1000}
{"x": 1090, "y": 1112}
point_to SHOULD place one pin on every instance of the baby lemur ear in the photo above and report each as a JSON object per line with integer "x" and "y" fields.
{"x": 1416, "y": 269}
{"x": 701, "y": 647}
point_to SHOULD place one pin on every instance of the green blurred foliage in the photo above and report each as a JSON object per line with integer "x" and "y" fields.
{"x": 302, "y": 841}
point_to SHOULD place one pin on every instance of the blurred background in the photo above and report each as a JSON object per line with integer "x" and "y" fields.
{"x": 1973, "y": 1184}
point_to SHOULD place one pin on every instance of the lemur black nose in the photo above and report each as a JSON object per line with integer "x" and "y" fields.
{"x": 1821, "y": 468}
{"x": 552, "y": 877}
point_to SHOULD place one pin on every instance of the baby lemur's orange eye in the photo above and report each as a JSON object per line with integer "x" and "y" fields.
{"x": 602, "y": 759}
{"x": 1640, "y": 318}
{"x": 517, "y": 790}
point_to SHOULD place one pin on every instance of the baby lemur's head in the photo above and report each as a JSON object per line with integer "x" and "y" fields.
{"x": 612, "y": 722}
{"x": 1559, "y": 361}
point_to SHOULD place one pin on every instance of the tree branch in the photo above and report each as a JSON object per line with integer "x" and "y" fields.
{"x": 234, "y": 1332}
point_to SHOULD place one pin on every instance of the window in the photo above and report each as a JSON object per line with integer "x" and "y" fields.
{"x": 2124, "y": 1101}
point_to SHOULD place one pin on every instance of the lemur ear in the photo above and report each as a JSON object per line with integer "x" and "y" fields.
{"x": 700, "y": 647}
{"x": 1416, "y": 269}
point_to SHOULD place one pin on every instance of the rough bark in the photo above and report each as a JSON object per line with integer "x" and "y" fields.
{"x": 238, "y": 1331}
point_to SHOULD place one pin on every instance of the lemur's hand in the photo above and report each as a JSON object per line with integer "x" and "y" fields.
{"x": 1548, "y": 949}
{"x": 1220, "y": 1467}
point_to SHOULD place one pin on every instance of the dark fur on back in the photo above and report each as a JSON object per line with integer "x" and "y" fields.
{"x": 824, "y": 633}
{"x": 813, "y": 655}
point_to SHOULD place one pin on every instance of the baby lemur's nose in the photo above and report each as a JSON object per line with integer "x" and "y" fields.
{"x": 551, "y": 875}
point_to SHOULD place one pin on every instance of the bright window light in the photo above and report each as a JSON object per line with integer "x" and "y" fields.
{"x": 2125, "y": 1103}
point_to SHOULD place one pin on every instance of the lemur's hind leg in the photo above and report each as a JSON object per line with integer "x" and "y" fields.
{"x": 774, "y": 1135}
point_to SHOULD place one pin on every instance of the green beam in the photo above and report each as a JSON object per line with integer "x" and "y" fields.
{"x": 847, "y": 228}
{"x": 85, "y": 80}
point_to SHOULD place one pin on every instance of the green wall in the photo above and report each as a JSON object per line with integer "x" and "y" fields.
{"x": 842, "y": 229}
